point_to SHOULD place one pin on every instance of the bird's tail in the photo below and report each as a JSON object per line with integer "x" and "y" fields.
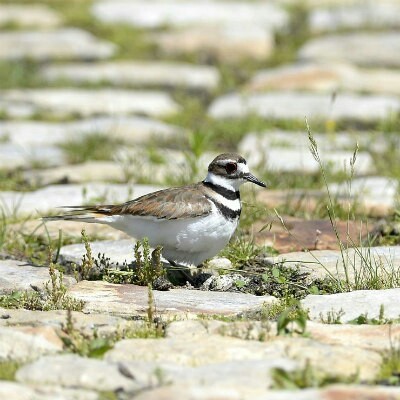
{"x": 81, "y": 214}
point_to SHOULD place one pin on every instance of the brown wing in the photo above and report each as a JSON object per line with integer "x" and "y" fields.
{"x": 174, "y": 203}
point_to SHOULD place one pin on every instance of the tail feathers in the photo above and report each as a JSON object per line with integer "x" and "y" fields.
{"x": 81, "y": 214}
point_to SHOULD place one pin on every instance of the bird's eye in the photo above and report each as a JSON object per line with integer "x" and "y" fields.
{"x": 231, "y": 168}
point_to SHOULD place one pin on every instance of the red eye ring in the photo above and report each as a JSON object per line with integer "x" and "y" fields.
{"x": 231, "y": 168}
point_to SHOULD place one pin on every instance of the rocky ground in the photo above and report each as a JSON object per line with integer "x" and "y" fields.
{"x": 104, "y": 101}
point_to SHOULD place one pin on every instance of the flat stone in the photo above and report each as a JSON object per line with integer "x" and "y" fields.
{"x": 326, "y": 77}
{"x": 89, "y": 171}
{"x": 367, "y": 49}
{"x": 16, "y": 345}
{"x": 73, "y": 371}
{"x": 70, "y": 230}
{"x": 370, "y": 337}
{"x": 49, "y": 198}
{"x": 249, "y": 378}
{"x": 19, "y": 276}
{"x": 166, "y": 74}
{"x": 367, "y": 193}
{"x": 355, "y": 16}
{"x": 293, "y": 154}
{"x": 90, "y": 325}
{"x": 133, "y": 300}
{"x": 130, "y": 129}
{"x": 284, "y": 105}
{"x": 18, "y": 391}
{"x": 118, "y": 251}
{"x": 190, "y": 13}
{"x": 323, "y": 263}
{"x": 332, "y": 392}
{"x": 66, "y": 43}
{"x": 225, "y": 43}
{"x": 82, "y": 102}
{"x": 215, "y": 351}
{"x": 353, "y": 304}
{"x": 32, "y": 15}
{"x": 300, "y": 234}
{"x": 16, "y": 156}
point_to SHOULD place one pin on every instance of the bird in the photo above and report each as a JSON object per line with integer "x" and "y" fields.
{"x": 192, "y": 223}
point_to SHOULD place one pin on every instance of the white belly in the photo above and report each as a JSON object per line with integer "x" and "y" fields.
{"x": 188, "y": 241}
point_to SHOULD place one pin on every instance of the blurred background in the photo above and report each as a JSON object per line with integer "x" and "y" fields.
{"x": 146, "y": 92}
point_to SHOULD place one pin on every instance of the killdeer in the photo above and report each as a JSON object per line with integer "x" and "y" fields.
{"x": 192, "y": 223}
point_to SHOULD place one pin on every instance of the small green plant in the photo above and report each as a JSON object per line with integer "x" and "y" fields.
{"x": 92, "y": 146}
{"x": 332, "y": 317}
{"x": 305, "y": 377}
{"x": 390, "y": 367}
{"x": 85, "y": 345}
{"x": 52, "y": 297}
{"x": 291, "y": 322}
{"x": 8, "y": 369}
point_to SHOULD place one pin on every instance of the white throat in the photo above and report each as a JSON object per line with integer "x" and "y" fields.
{"x": 230, "y": 184}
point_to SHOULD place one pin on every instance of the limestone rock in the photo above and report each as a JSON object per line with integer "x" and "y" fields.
{"x": 166, "y": 74}
{"x": 133, "y": 300}
{"x": 284, "y": 105}
{"x": 359, "y": 262}
{"x": 190, "y": 13}
{"x": 326, "y": 77}
{"x": 89, "y": 171}
{"x": 75, "y": 372}
{"x": 353, "y": 304}
{"x": 130, "y": 129}
{"x": 66, "y": 43}
{"x": 35, "y": 15}
{"x": 19, "y": 276}
{"x": 16, "y": 345}
{"x": 49, "y": 198}
{"x": 290, "y": 152}
{"x": 362, "y": 15}
{"x": 83, "y": 102}
{"x": 16, "y": 156}
{"x": 367, "y": 49}
{"x": 18, "y": 391}
{"x": 225, "y": 43}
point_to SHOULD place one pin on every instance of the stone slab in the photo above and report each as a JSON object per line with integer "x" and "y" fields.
{"x": 90, "y": 325}
{"x": 70, "y": 229}
{"x": 14, "y": 156}
{"x": 289, "y": 105}
{"x": 326, "y": 77}
{"x": 138, "y": 73}
{"x": 32, "y": 15}
{"x": 178, "y": 13}
{"x": 19, "y": 346}
{"x": 19, "y": 391}
{"x": 20, "y": 275}
{"x": 89, "y": 171}
{"x": 66, "y": 43}
{"x": 367, "y": 193}
{"x": 354, "y": 304}
{"x": 130, "y": 129}
{"x": 214, "y": 350}
{"x": 130, "y": 300}
{"x": 293, "y": 155}
{"x": 83, "y": 102}
{"x": 380, "y": 49}
{"x": 73, "y": 371}
{"x": 360, "y": 263}
{"x": 355, "y": 16}
{"x": 47, "y": 200}
{"x": 331, "y": 392}
{"x": 224, "y": 43}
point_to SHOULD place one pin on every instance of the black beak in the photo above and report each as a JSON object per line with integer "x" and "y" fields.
{"x": 251, "y": 178}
